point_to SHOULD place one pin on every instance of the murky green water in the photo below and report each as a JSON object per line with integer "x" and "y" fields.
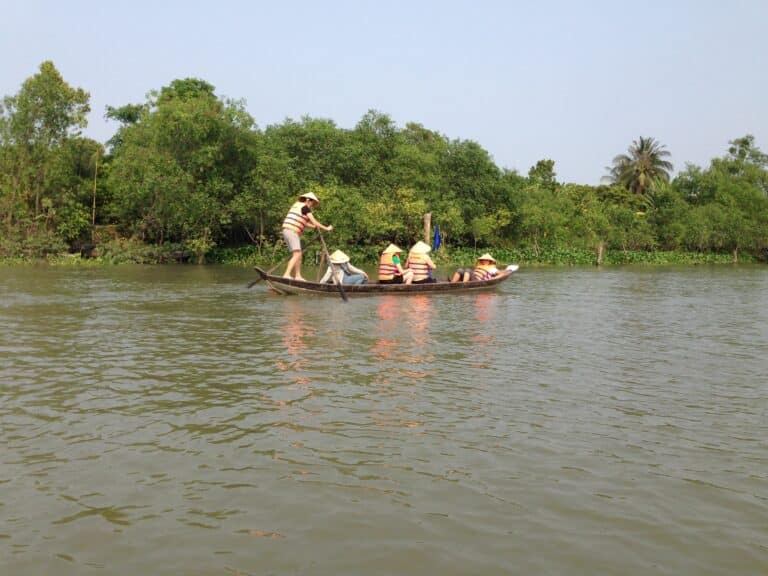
{"x": 170, "y": 421}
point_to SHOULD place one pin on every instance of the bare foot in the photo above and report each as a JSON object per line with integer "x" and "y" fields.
{"x": 300, "y": 279}
{"x": 286, "y": 275}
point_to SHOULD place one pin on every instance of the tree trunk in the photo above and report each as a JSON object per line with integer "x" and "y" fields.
{"x": 93, "y": 210}
{"x": 427, "y": 227}
{"x": 735, "y": 255}
{"x": 600, "y": 252}
{"x": 261, "y": 230}
{"x": 11, "y": 204}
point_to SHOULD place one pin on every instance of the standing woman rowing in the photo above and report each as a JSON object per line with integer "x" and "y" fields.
{"x": 299, "y": 217}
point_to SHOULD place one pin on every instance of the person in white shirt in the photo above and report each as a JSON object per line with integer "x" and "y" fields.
{"x": 341, "y": 271}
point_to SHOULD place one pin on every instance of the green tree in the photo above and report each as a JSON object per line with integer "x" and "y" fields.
{"x": 704, "y": 228}
{"x": 46, "y": 111}
{"x": 472, "y": 182}
{"x": 743, "y": 151}
{"x": 40, "y": 171}
{"x": 127, "y": 116}
{"x": 744, "y": 209}
{"x": 586, "y": 216}
{"x": 668, "y": 215}
{"x": 311, "y": 146}
{"x": 731, "y": 194}
{"x": 488, "y": 229}
{"x": 694, "y": 185}
{"x": 745, "y": 162}
{"x": 644, "y": 163}
{"x": 543, "y": 214}
{"x": 543, "y": 174}
{"x": 259, "y": 206}
{"x": 417, "y": 162}
{"x": 180, "y": 164}
{"x": 72, "y": 182}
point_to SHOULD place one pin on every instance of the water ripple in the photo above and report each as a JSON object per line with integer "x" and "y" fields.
{"x": 572, "y": 421}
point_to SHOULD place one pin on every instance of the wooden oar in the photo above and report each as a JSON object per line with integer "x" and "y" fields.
{"x": 260, "y": 278}
{"x": 333, "y": 276}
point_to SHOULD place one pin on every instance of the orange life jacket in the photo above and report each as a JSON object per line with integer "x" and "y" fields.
{"x": 484, "y": 272}
{"x": 387, "y": 267}
{"x": 295, "y": 220}
{"x": 418, "y": 263}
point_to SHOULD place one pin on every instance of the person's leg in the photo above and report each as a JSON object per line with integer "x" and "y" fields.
{"x": 353, "y": 279}
{"x": 293, "y": 242}
{"x": 295, "y": 256}
{"x": 460, "y": 275}
{"x": 408, "y": 276}
{"x": 297, "y": 265}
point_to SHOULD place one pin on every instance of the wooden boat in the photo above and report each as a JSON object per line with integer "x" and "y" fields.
{"x": 283, "y": 285}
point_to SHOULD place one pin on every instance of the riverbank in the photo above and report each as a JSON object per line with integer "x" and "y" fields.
{"x": 250, "y": 256}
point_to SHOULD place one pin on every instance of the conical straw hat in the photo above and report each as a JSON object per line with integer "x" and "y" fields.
{"x": 310, "y": 196}
{"x": 487, "y": 256}
{"x": 391, "y": 249}
{"x": 420, "y": 248}
{"x": 339, "y": 257}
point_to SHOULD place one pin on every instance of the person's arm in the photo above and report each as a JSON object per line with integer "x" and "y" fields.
{"x": 356, "y": 270}
{"x": 430, "y": 263}
{"x": 396, "y": 262}
{"x": 313, "y": 223}
{"x": 327, "y": 276}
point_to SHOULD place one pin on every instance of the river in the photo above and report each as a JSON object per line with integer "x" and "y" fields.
{"x": 168, "y": 420}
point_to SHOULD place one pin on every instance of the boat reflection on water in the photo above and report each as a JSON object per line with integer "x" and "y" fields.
{"x": 419, "y": 315}
{"x": 402, "y": 346}
{"x": 483, "y": 340}
{"x": 385, "y": 346}
{"x": 295, "y": 335}
{"x": 416, "y": 354}
{"x": 402, "y": 332}
{"x": 485, "y": 305}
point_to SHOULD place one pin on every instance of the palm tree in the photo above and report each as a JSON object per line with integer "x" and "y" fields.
{"x": 644, "y": 164}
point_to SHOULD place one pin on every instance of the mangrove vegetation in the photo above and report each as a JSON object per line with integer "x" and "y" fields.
{"x": 189, "y": 174}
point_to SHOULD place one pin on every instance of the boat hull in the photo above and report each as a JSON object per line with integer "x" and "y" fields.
{"x": 287, "y": 286}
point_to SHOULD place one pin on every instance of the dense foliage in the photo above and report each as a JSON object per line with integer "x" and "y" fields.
{"x": 188, "y": 172}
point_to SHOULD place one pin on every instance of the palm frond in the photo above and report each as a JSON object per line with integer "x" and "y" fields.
{"x": 643, "y": 164}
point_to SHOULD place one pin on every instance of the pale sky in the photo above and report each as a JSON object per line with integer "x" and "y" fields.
{"x": 574, "y": 81}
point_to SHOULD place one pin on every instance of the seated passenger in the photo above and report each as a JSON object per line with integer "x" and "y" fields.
{"x": 421, "y": 264}
{"x": 391, "y": 270}
{"x": 484, "y": 270}
{"x": 341, "y": 271}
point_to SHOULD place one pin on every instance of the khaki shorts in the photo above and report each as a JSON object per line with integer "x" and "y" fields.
{"x": 292, "y": 239}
